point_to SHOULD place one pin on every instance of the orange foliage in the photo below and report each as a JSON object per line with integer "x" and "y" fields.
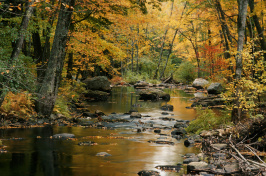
{"x": 18, "y": 105}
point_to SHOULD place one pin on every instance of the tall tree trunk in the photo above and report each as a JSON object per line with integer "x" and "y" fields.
{"x": 49, "y": 88}
{"x": 169, "y": 53}
{"x": 132, "y": 55}
{"x": 161, "y": 54}
{"x": 258, "y": 27}
{"x": 17, "y": 47}
{"x": 241, "y": 25}
{"x": 70, "y": 66}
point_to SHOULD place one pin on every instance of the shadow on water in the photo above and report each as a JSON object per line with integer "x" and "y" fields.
{"x": 34, "y": 153}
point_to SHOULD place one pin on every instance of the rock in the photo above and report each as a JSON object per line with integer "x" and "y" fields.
{"x": 135, "y": 115}
{"x": 99, "y": 113}
{"x": 180, "y": 124}
{"x": 177, "y": 137}
{"x": 63, "y": 136}
{"x": 161, "y": 142}
{"x": 215, "y": 88}
{"x": 179, "y": 131}
{"x": 165, "y": 113}
{"x": 157, "y": 131}
{"x": 141, "y": 85}
{"x": 209, "y": 102}
{"x": 173, "y": 168}
{"x": 219, "y": 146}
{"x": 153, "y": 95}
{"x": 201, "y": 156}
{"x": 219, "y": 155}
{"x": 205, "y": 174}
{"x": 189, "y": 142}
{"x": 196, "y": 166}
{"x": 190, "y": 155}
{"x": 200, "y": 83}
{"x": 148, "y": 173}
{"x": 98, "y": 83}
{"x": 103, "y": 154}
{"x": 167, "y": 107}
{"x": 231, "y": 168}
{"x": 89, "y": 114}
{"x": 166, "y": 118}
{"x": 87, "y": 143}
{"x": 96, "y": 95}
{"x": 189, "y": 160}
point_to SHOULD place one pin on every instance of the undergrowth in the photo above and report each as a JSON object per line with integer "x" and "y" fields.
{"x": 207, "y": 119}
{"x": 18, "y": 105}
{"x": 70, "y": 91}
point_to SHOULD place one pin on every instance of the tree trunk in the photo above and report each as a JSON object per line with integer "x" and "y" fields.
{"x": 258, "y": 27}
{"x": 161, "y": 54}
{"x": 49, "y": 88}
{"x": 21, "y": 35}
{"x": 70, "y": 66}
{"x": 17, "y": 46}
{"x": 169, "y": 53}
{"x": 241, "y": 24}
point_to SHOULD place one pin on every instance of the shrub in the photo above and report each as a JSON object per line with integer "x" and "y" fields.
{"x": 18, "y": 105}
{"x": 186, "y": 72}
{"x": 207, "y": 119}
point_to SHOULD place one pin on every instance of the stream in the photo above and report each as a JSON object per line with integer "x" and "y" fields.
{"x": 31, "y": 152}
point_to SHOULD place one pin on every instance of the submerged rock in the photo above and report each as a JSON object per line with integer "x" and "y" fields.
{"x": 167, "y": 107}
{"x": 135, "y": 115}
{"x": 196, "y": 166}
{"x": 103, "y": 154}
{"x": 172, "y": 168}
{"x": 87, "y": 143}
{"x": 162, "y": 142}
{"x": 148, "y": 173}
{"x": 63, "y": 136}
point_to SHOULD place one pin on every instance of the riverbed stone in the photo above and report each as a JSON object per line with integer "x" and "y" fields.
{"x": 215, "y": 88}
{"x": 180, "y": 124}
{"x": 196, "y": 166}
{"x": 148, "y": 173}
{"x": 200, "y": 83}
{"x": 179, "y": 131}
{"x": 98, "y": 83}
{"x": 191, "y": 159}
{"x": 135, "y": 115}
{"x": 63, "y": 136}
{"x": 219, "y": 146}
{"x": 153, "y": 95}
{"x": 167, "y": 107}
{"x": 104, "y": 154}
{"x": 141, "y": 85}
{"x": 88, "y": 143}
{"x": 188, "y": 142}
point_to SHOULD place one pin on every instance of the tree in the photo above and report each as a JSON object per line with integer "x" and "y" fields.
{"x": 48, "y": 90}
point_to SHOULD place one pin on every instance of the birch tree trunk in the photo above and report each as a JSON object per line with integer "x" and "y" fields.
{"x": 49, "y": 87}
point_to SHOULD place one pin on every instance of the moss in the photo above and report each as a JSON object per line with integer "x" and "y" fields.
{"x": 207, "y": 119}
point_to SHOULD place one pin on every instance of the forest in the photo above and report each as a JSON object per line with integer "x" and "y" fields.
{"x": 49, "y": 49}
{"x": 48, "y": 45}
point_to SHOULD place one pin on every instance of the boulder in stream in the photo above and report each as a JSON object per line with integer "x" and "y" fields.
{"x": 98, "y": 83}
{"x": 200, "y": 83}
{"x": 215, "y": 88}
{"x": 153, "y": 95}
{"x": 167, "y": 107}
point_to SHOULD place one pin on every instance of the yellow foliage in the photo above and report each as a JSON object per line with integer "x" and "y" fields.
{"x": 18, "y": 104}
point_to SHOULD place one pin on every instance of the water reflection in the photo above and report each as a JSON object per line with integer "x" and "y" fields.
{"x": 44, "y": 156}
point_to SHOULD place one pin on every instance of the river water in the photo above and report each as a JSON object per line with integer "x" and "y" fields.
{"x": 31, "y": 152}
